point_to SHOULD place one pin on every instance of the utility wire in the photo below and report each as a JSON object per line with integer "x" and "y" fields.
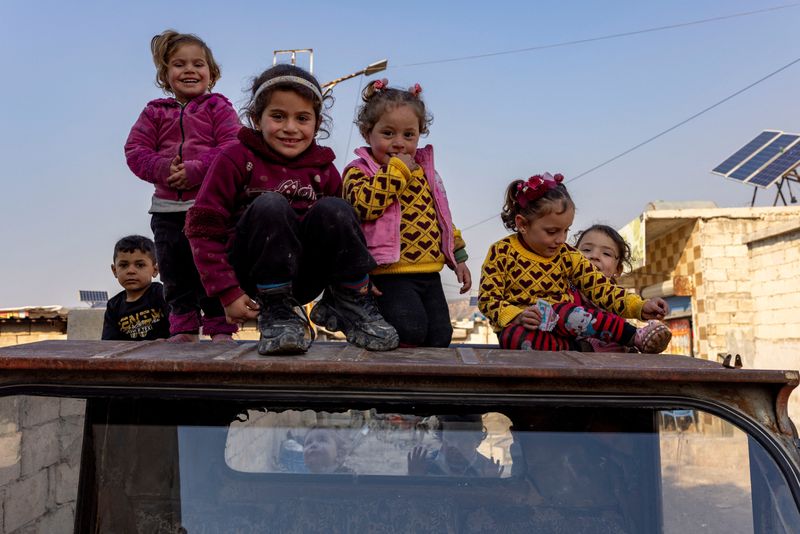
{"x": 684, "y": 121}
{"x": 599, "y": 38}
{"x": 664, "y": 132}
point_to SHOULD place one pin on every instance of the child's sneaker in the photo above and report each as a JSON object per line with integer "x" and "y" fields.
{"x": 652, "y": 338}
{"x": 355, "y": 313}
{"x": 283, "y": 330}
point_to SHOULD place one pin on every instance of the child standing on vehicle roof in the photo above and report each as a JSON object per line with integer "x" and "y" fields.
{"x": 609, "y": 253}
{"x": 172, "y": 146}
{"x": 401, "y": 201}
{"x": 526, "y": 281}
{"x": 269, "y": 229}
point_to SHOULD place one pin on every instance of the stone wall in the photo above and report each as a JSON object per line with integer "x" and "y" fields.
{"x": 40, "y": 451}
{"x": 775, "y": 290}
{"x": 28, "y": 331}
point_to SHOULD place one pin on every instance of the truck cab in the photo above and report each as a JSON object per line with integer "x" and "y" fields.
{"x": 103, "y": 436}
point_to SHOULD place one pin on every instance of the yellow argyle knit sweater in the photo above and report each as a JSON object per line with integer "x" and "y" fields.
{"x": 420, "y": 237}
{"x": 514, "y": 278}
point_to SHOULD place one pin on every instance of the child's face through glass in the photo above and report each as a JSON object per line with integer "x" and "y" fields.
{"x": 546, "y": 235}
{"x": 188, "y": 73}
{"x": 602, "y": 251}
{"x": 395, "y": 133}
{"x": 288, "y": 123}
{"x": 460, "y": 446}
{"x": 320, "y": 451}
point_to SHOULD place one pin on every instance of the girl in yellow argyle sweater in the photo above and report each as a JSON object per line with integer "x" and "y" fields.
{"x": 400, "y": 199}
{"x": 527, "y": 276}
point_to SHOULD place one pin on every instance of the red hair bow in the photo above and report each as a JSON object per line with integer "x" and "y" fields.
{"x": 381, "y": 84}
{"x": 536, "y": 187}
{"x": 415, "y": 89}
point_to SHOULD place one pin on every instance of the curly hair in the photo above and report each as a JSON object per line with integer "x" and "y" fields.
{"x": 163, "y": 45}
{"x": 251, "y": 112}
{"x": 378, "y": 101}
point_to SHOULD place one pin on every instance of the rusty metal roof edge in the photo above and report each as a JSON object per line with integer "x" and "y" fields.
{"x": 259, "y": 368}
{"x": 154, "y": 358}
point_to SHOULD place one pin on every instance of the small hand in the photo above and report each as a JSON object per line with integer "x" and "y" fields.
{"x": 464, "y": 277}
{"x": 241, "y": 309}
{"x": 177, "y": 178}
{"x": 530, "y": 318}
{"x": 655, "y": 308}
{"x": 408, "y": 160}
{"x": 416, "y": 460}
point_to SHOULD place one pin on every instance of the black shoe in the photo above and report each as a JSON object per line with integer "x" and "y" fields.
{"x": 356, "y": 314}
{"x": 283, "y": 329}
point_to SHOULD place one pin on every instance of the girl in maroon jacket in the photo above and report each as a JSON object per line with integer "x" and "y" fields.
{"x": 172, "y": 146}
{"x": 269, "y": 231}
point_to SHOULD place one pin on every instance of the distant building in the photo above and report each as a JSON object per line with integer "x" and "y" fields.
{"x": 32, "y": 323}
{"x": 731, "y": 275}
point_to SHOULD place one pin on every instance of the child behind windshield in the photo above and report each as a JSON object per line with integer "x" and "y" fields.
{"x": 610, "y": 253}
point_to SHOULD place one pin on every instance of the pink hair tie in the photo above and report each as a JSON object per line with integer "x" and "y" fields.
{"x": 381, "y": 84}
{"x": 415, "y": 89}
{"x": 536, "y": 186}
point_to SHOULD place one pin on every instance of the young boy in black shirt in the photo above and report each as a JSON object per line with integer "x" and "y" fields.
{"x": 140, "y": 312}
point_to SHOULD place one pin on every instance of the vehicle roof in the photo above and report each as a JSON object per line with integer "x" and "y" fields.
{"x": 762, "y": 394}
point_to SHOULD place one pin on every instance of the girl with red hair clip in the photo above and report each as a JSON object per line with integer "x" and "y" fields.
{"x": 400, "y": 199}
{"x": 528, "y": 276}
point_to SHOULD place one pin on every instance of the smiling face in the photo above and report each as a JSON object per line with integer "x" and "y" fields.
{"x": 397, "y": 132}
{"x": 545, "y": 235}
{"x": 135, "y": 272}
{"x": 188, "y": 73}
{"x": 602, "y": 251}
{"x": 288, "y": 123}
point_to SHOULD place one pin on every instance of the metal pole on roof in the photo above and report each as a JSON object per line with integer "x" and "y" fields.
{"x": 369, "y": 70}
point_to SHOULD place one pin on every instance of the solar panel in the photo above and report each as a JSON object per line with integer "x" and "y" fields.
{"x": 93, "y": 296}
{"x": 745, "y": 152}
{"x": 775, "y": 170}
{"x": 764, "y": 156}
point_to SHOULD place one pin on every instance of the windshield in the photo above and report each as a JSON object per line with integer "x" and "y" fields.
{"x": 223, "y": 466}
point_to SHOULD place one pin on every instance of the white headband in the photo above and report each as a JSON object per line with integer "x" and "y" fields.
{"x": 287, "y": 79}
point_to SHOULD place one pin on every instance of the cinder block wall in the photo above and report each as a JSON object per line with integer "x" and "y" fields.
{"x": 40, "y": 451}
{"x": 775, "y": 289}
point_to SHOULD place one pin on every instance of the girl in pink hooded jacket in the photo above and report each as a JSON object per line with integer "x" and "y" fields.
{"x": 402, "y": 204}
{"x": 172, "y": 146}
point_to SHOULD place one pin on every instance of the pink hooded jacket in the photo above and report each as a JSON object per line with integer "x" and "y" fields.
{"x": 383, "y": 234}
{"x": 197, "y": 132}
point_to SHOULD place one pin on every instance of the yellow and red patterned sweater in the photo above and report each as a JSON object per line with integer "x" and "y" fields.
{"x": 514, "y": 278}
{"x": 420, "y": 238}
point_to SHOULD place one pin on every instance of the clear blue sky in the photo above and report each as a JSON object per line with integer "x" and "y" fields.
{"x": 77, "y": 74}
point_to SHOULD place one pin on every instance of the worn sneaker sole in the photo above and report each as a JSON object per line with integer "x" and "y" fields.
{"x": 324, "y": 315}
{"x": 284, "y": 344}
{"x": 656, "y": 340}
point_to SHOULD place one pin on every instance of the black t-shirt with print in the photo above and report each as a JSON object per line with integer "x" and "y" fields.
{"x": 146, "y": 318}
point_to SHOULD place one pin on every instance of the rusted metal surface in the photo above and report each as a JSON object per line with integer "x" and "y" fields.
{"x": 242, "y": 360}
{"x": 761, "y": 394}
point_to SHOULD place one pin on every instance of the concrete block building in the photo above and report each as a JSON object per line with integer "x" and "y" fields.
{"x": 731, "y": 275}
